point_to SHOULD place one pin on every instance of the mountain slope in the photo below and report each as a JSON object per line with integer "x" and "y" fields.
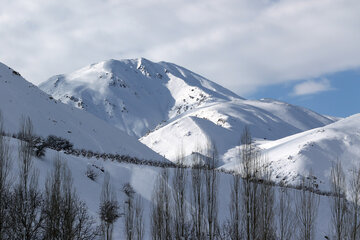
{"x": 20, "y": 98}
{"x": 223, "y": 122}
{"x": 169, "y": 107}
{"x": 134, "y": 95}
{"x": 313, "y": 151}
{"x": 143, "y": 179}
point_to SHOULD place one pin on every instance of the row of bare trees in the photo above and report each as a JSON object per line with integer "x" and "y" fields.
{"x": 182, "y": 210}
{"x": 56, "y": 213}
{"x": 345, "y": 209}
{"x": 28, "y": 213}
{"x": 186, "y": 205}
{"x": 131, "y": 212}
{"x": 252, "y": 198}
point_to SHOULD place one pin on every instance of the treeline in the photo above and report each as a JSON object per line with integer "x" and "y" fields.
{"x": 56, "y": 143}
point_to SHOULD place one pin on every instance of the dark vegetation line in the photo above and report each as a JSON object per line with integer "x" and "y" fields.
{"x": 61, "y": 144}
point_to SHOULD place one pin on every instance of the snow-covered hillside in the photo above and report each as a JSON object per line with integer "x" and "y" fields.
{"x": 173, "y": 109}
{"x": 135, "y": 95}
{"x": 223, "y": 122}
{"x": 20, "y": 98}
{"x": 143, "y": 179}
{"x": 313, "y": 151}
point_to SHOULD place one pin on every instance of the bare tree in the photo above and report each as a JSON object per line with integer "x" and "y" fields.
{"x": 339, "y": 208}
{"x": 109, "y": 208}
{"x": 129, "y": 211}
{"x": 133, "y": 214}
{"x": 306, "y": 204}
{"x": 26, "y": 215}
{"x": 285, "y": 214}
{"x": 161, "y": 212}
{"x": 156, "y": 215}
{"x": 354, "y": 204}
{"x": 25, "y": 150}
{"x": 211, "y": 190}
{"x": 5, "y": 184}
{"x": 235, "y": 208}
{"x": 85, "y": 225}
{"x": 139, "y": 222}
{"x": 250, "y": 174}
{"x": 235, "y": 202}
{"x": 25, "y": 212}
{"x": 66, "y": 217}
{"x": 75, "y": 221}
{"x": 266, "y": 205}
{"x": 69, "y": 206}
{"x": 52, "y": 202}
{"x": 167, "y": 205}
{"x": 179, "y": 196}
{"x": 197, "y": 199}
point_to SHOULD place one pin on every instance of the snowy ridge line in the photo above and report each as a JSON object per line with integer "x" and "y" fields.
{"x": 133, "y": 160}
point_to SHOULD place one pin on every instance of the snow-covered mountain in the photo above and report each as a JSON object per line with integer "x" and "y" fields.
{"x": 313, "y": 151}
{"x": 171, "y": 108}
{"x": 50, "y": 117}
{"x": 135, "y": 95}
{"x": 155, "y": 110}
{"x": 223, "y": 122}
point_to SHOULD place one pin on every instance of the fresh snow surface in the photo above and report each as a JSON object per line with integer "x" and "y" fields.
{"x": 19, "y": 98}
{"x": 135, "y": 95}
{"x": 311, "y": 152}
{"x": 143, "y": 179}
{"x": 222, "y": 124}
{"x": 172, "y": 109}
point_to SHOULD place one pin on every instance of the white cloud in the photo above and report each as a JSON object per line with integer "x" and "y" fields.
{"x": 241, "y": 44}
{"x": 312, "y": 87}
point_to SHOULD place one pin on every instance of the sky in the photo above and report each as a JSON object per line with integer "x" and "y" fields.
{"x": 336, "y": 94}
{"x": 304, "y": 52}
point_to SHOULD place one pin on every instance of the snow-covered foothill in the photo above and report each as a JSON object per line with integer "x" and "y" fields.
{"x": 311, "y": 152}
{"x": 143, "y": 179}
{"x": 19, "y": 98}
{"x": 223, "y": 122}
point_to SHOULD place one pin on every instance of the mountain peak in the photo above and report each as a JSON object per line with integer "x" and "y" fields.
{"x": 135, "y": 94}
{"x": 143, "y": 61}
{"x": 157, "y": 101}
